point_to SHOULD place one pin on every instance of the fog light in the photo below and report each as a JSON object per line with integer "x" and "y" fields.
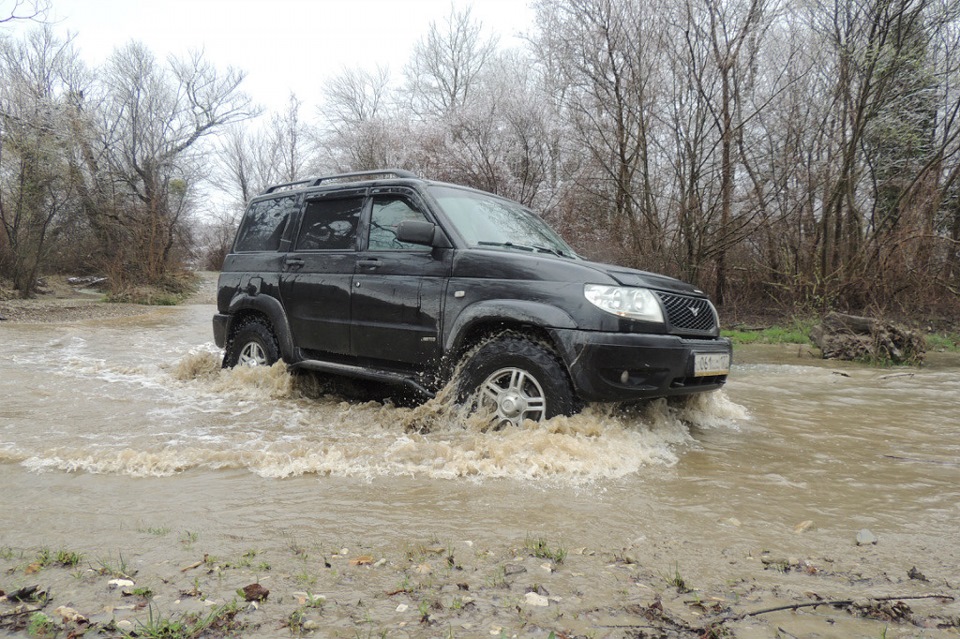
{"x": 624, "y": 377}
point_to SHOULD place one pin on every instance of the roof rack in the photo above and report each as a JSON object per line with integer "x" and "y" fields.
{"x": 397, "y": 173}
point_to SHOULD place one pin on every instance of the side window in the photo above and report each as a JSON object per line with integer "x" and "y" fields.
{"x": 264, "y": 223}
{"x": 330, "y": 224}
{"x": 388, "y": 212}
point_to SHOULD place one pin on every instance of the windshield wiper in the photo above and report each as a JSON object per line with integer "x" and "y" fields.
{"x": 533, "y": 248}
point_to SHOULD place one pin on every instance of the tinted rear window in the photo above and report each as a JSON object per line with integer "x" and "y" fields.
{"x": 264, "y": 223}
{"x": 330, "y": 224}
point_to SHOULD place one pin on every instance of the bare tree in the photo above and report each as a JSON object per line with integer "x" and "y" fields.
{"x": 878, "y": 134}
{"x": 247, "y": 164}
{"x": 250, "y": 159}
{"x": 506, "y": 140}
{"x": 447, "y": 63}
{"x": 363, "y": 130}
{"x": 945, "y": 164}
{"x": 356, "y": 95}
{"x": 290, "y": 137}
{"x": 155, "y": 115}
{"x": 12, "y": 10}
{"x": 729, "y": 26}
{"x": 36, "y": 75}
{"x": 607, "y": 51}
{"x": 777, "y": 150}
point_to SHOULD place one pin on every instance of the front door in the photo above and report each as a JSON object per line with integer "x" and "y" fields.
{"x": 397, "y": 288}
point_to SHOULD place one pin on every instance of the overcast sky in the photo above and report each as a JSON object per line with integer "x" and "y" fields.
{"x": 283, "y": 45}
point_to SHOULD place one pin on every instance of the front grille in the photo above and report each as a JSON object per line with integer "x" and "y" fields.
{"x": 687, "y": 313}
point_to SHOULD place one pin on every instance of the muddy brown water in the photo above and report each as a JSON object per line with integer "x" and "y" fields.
{"x": 113, "y": 428}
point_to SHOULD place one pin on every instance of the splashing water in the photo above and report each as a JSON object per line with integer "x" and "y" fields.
{"x": 162, "y": 420}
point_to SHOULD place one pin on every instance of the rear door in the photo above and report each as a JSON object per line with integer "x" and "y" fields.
{"x": 318, "y": 272}
{"x": 257, "y": 255}
{"x": 398, "y": 287}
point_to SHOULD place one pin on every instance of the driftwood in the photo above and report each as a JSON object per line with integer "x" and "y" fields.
{"x": 89, "y": 280}
{"x": 849, "y": 337}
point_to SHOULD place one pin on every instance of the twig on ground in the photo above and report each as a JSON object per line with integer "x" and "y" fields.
{"x": 834, "y": 602}
{"x": 17, "y": 613}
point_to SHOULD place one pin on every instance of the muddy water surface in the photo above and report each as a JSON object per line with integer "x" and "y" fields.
{"x": 123, "y": 438}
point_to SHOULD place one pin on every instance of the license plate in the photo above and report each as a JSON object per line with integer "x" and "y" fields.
{"x": 707, "y": 364}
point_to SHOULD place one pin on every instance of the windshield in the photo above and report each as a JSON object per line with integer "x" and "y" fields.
{"x": 484, "y": 220}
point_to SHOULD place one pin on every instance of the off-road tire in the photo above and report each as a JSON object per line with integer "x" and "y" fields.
{"x": 522, "y": 372}
{"x": 252, "y": 344}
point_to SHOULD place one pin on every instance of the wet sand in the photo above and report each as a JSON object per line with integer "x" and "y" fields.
{"x": 333, "y": 582}
{"x": 188, "y": 559}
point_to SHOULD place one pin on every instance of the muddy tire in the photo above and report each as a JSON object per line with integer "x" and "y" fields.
{"x": 253, "y": 344}
{"x": 516, "y": 378}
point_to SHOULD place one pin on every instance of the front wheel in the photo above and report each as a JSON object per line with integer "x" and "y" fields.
{"x": 253, "y": 344}
{"x": 516, "y": 379}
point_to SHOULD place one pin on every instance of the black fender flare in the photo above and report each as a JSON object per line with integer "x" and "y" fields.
{"x": 544, "y": 316}
{"x": 273, "y": 310}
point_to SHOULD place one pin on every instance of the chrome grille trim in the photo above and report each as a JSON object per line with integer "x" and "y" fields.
{"x": 686, "y": 313}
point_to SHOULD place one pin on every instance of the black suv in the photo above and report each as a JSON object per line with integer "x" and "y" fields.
{"x": 388, "y": 277}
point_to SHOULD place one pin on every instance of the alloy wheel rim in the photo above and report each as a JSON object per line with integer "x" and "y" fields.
{"x": 252, "y": 354}
{"x": 513, "y": 395}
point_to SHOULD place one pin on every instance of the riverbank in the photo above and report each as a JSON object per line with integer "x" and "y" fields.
{"x": 60, "y": 302}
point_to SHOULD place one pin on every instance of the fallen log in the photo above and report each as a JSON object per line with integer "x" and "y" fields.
{"x": 854, "y": 338}
{"x": 89, "y": 280}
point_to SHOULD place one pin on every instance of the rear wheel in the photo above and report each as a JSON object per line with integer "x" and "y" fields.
{"x": 253, "y": 344}
{"x": 515, "y": 379}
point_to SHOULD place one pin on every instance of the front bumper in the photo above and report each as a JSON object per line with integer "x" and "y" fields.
{"x": 617, "y": 367}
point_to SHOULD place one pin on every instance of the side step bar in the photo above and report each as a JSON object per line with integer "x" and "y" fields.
{"x": 360, "y": 372}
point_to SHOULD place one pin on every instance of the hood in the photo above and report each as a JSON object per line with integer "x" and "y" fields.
{"x": 484, "y": 262}
{"x": 635, "y": 277}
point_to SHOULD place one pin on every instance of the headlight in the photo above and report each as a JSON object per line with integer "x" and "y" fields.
{"x": 635, "y": 303}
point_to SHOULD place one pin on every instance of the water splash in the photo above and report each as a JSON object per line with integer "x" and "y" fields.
{"x": 276, "y": 424}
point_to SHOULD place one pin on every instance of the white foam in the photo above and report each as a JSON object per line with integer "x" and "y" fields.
{"x": 275, "y": 425}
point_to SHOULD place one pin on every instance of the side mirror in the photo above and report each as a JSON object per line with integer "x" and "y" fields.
{"x": 421, "y": 232}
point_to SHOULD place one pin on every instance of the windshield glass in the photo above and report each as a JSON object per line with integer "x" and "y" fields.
{"x": 484, "y": 220}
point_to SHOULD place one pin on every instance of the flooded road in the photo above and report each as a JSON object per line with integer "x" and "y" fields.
{"x": 123, "y": 438}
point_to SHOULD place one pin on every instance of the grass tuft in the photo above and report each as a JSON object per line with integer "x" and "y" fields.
{"x": 41, "y": 625}
{"x": 67, "y": 558}
{"x": 677, "y": 581}
{"x": 540, "y": 548}
{"x": 220, "y": 622}
{"x": 946, "y": 342}
{"x": 797, "y": 332}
